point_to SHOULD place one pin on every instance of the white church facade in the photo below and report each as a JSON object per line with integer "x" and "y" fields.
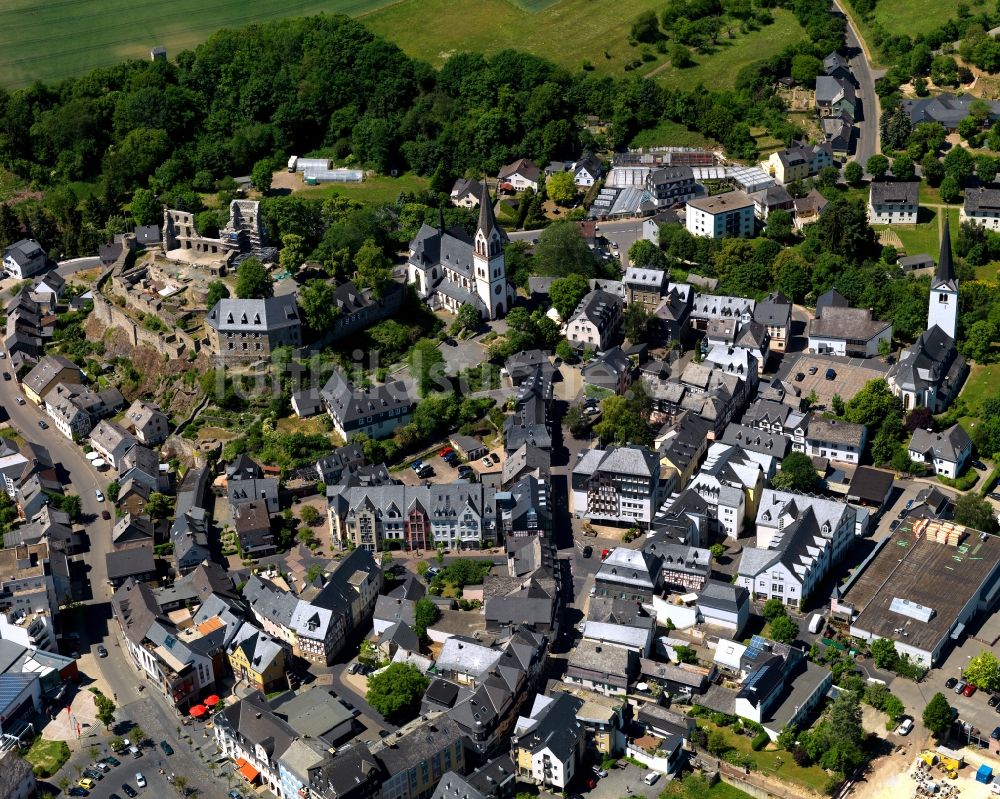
{"x": 449, "y": 269}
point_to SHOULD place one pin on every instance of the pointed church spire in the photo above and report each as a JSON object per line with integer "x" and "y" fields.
{"x": 487, "y": 221}
{"x": 944, "y": 275}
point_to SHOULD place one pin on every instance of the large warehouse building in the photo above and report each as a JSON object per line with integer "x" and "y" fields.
{"x": 922, "y": 587}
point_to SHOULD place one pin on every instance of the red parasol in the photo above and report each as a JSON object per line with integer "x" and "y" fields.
{"x": 211, "y": 701}
{"x": 198, "y": 711}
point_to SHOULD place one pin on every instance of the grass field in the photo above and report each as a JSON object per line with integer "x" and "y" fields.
{"x": 981, "y": 384}
{"x": 913, "y": 16}
{"x": 718, "y": 70}
{"x": 378, "y": 189}
{"x": 671, "y": 133}
{"x": 59, "y": 38}
{"x": 567, "y": 31}
{"x": 47, "y": 757}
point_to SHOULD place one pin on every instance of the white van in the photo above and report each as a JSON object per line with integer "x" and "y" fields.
{"x": 651, "y": 778}
{"x": 816, "y": 623}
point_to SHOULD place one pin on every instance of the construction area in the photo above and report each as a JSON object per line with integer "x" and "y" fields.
{"x": 939, "y": 773}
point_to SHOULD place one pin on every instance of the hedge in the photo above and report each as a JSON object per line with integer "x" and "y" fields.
{"x": 760, "y": 740}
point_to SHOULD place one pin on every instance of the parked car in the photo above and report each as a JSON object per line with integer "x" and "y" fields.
{"x": 588, "y": 551}
{"x": 895, "y": 524}
{"x": 167, "y": 748}
{"x": 905, "y": 727}
{"x": 19, "y": 400}
{"x": 995, "y": 735}
{"x": 494, "y": 457}
{"x": 425, "y": 471}
{"x": 114, "y": 796}
{"x": 799, "y": 377}
{"x": 112, "y": 761}
{"x": 950, "y": 683}
{"x": 416, "y": 465}
{"x": 129, "y": 790}
{"x": 42, "y": 424}
{"x": 234, "y": 794}
{"x": 994, "y": 495}
{"x": 93, "y": 774}
{"x": 86, "y": 783}
{"x": 813, "y": 370}
{"x": 960, "y": 686}
{"x": 969, "y": 690}
{"x": 353, "y": 668}
{"x": 993, "y": 701}
{"x": 445, "y": 451}
{"x": 831, "y": 374}
{"x": 978, "y": 465}
{"x": 486, "y": 461}
{"x": 140, "y": 780}
{"x": 102, "y": 651}
{"x": 651, "y": 778}
{"x": 76, "y": 790}
{"x": 6, "y": 375}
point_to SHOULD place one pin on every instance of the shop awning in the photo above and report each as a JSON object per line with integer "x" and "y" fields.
{"x": 249, "y": 773}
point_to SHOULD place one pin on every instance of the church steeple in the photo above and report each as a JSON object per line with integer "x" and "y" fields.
{"x": 944, "y": 275}
{"x": 487, "y": 220}
{"x": 942, "y": 310}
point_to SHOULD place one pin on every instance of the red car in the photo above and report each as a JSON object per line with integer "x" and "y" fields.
{"x": 605, "y": 553}
{"x": 445, "y": 451}
{"x": 591, "y": 782}
{"x": 969, "y": 690}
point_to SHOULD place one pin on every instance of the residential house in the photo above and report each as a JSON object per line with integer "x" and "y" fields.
{"x": 850, "y": 332}
{"x": 47, "y": 374}
{"x": 520, "y": 175}
{"x": 981, "y": 207}
{"x": 602, "y": 668}
{"x": 180, "y": 668}
{"x": 772, "y": 198}
{"x": 46, "y": 290}
{"x": 729, "y": 214}
{"x": 257, "y": 659}
{"x": 775, "y": 313}
{"x": 467, "y": 193}
{"x": 131, "y": 531}
{"x": 34, "y": 582}
{"x": 835, "y": 96}
{"x": 612, "y": 370}
{"x": 946, "y": 453}
{"x": 522, "y": 365}
{"x": 834, "y": 439}
{"x": 730, "y": 482}
{"x": 351, "y": 774}
{"x": 711, "y": 307}
{"x": 547, "y": 746}
{"x": 134, "y": 563}
{"x": 722, "y": 604}
{"x": 622, "y": 485}
{"x": 74, "y": 409}
{"x": 604, "y": 719}
{"x": 947, "y": 109}
{"x": 684, "y": 566}
{"x": 809, "y": 209}
{"x": 316, "y": 713}
{"x": 799, "y": 539}
{"x": 893, "y": 202}
{"x": 837, "y": 66}
{"x": 417, "y": 756}
{"x": 24, "y": 259}
{"x": 645, "y": 286}
{"x": 671, "y": 185}
{"x": 596, "y": 322}
{"x": 254, "y": 738}
{"x": 375, "y": 411}
{"x": 673, "y": 312}
{"x": 838, "y": 130}
{"x": 249, "y": 330}
{"x": 332, "y": 468}
{"x": 870, "y": 488}
{"x": 111, "y": 441}
{"x": 628, "y": 574}
{"x": 798, "y": 162}
{"x": 782, "y": 688}
{"x": 587, "y": 171}
{"x": 148, "y": 423}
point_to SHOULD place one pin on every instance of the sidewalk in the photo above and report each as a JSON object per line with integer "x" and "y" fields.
{"x": 77, "y": 725}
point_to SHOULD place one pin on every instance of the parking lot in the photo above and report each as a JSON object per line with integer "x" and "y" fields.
{"x": 851, "y": 374}
{"x": 445, "y": 473}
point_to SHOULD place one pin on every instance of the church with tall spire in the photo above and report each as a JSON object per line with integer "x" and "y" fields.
{"x": 450, "y": 269}
{"x": 931, "y": 371}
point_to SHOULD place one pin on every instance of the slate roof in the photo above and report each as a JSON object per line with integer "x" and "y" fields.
{"x": 130, "y": 562}
{"x": 39, "y": 378}
{"x": 554, "y": 727}
{"x": 723, "y": 596}
{"x": 891, "y": 192}
{"x": 871, "y": 485}
{"x": 835, "y": 431}
{"x": 522, "y": 166}
{"x": 599, "y": 308}
{"x": 932, "y": 361}
{"x": 775, "y": 310}
{"x": 944, "y": 275}
{"x": 721, "y": 203}
{"x": 248, "y": 316}
{"x": 350, "y": 403}
{"x": 847, "y": 323}
{"x": 948, "y": 445}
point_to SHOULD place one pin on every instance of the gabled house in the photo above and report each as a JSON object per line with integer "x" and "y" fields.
{"x": 255, "y": 739}
{"x": 50, "y": 371}
{"x": 24, "y": 259}
{"x": 248, "y": 330}
{"x": 612, "y": 370}
{"x": 520, "y": 175}
{"x": 835, "y": 96}
{"x": 376, "y": 411}
{"x": 946, "y": 453}
{"x": 893, "y": 202}
{"x": 587, "y": 171}
{"x": 467, "y": 193}
{"x": 256, "y": 658}
{"x": 596, "y": 322}
{"x": 799, "y": 161}
{"x": 621, "y": 485}
{"x": 772, "y": 198}
{"x": 547, "y": 746}
{"x": 111, "y": 441}
{"x": 148, "y": 423}
{"x": 809, "y": 209}
{"x": 981, "y": 207}
{"x": 850, "y": 332}
{"x": 775, "y": 313}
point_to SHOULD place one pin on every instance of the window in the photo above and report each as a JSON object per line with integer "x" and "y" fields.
{"x": 942, "y": 298}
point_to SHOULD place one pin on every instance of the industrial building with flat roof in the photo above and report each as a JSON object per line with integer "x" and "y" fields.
{"x": 922, "y": 587}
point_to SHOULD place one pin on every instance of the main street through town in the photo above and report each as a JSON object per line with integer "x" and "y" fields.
{"x": 113, "y": 674}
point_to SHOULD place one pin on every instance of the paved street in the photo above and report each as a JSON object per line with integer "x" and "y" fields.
{"x": 868, "y": 134}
